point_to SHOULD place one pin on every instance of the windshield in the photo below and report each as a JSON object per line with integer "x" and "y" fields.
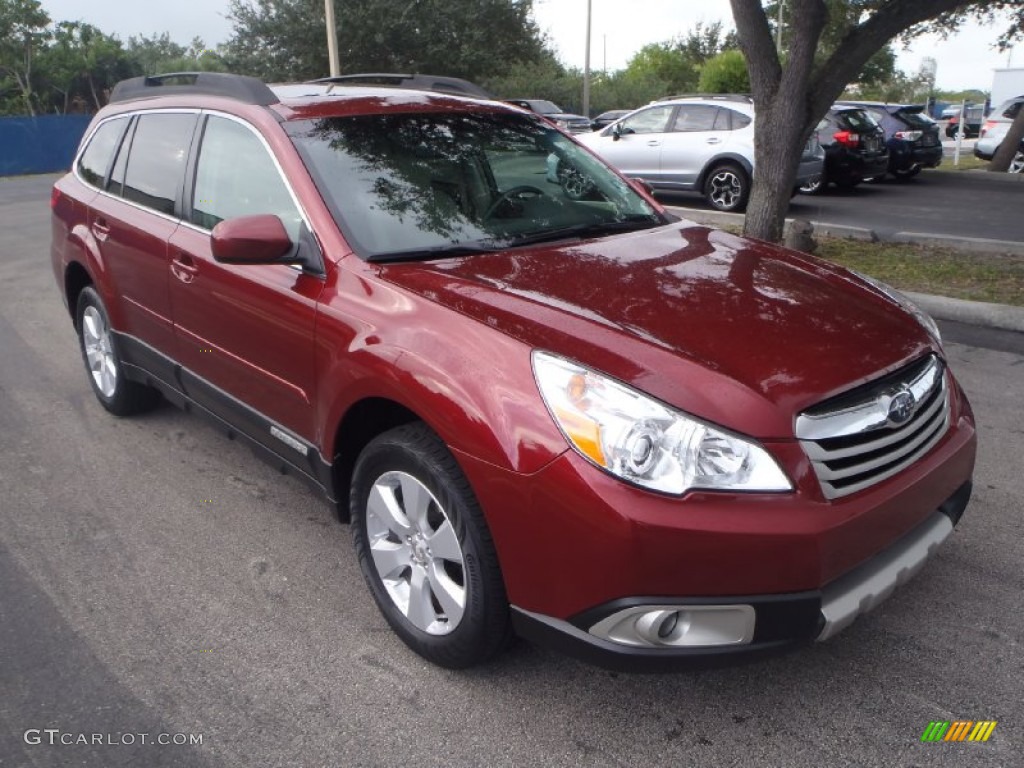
{"x": 433, "y": 184}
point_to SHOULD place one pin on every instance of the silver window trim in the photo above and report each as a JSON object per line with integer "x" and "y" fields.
{"x": 200, "y": 113}
{"x": 129, "y": 115}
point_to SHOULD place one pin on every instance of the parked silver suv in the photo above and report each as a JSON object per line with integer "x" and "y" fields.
{"x": 704, "y": 144}
{"x": 994, "y": 130}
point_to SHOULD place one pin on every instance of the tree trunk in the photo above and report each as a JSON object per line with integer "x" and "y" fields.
{"x": 775, "y": 165}
{"x": 1010, "y": 145}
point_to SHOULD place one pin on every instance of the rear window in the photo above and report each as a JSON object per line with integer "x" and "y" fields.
{"x": 916, "y": 119}
{"x": 857, "y": 120}
{"x": 95, "y": 161}
{"x": 1010, "y": 108}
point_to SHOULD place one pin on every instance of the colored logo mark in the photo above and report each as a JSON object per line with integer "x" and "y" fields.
{"x": 958, "y": 730}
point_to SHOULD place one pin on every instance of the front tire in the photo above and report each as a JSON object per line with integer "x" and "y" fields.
{"x": 103, "y": 360}
{"x": 727, "y": 188}
{"x": 425, "y": 550}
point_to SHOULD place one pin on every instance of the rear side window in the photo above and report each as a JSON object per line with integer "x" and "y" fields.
{"x": 730, "y": 120}
{"x": 156, "y": 163}
{"x": 695, "y": 118}
{"x": 236, "y": 176}
{"x": 1010, "y": 109}
{"x": 95, "y": 161}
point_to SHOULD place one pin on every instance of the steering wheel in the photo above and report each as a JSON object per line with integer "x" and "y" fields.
{"x": 508, "y": 194}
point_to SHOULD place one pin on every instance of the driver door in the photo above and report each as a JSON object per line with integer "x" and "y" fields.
{"x": 245, "y": 332}
{"x": 637, "y": 151}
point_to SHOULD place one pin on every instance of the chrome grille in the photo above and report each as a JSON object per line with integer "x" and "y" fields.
{"x": 864, "y": 436}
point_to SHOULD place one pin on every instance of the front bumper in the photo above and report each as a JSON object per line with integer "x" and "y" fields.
{"x": 782, "y": 622}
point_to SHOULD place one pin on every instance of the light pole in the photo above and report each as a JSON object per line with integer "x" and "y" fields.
{"x": 332, "y": 38}
{"x": 586, "y": 69}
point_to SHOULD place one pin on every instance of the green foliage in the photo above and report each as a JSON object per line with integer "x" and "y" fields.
{"x": 677, "y": 62}
{"x": 476, "y": 39}
{"x": 725, "y": 73}
{"x": 79, "y": 66}
{"x": 23, "y": 30}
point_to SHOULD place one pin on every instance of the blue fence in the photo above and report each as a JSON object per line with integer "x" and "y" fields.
{"x": 42, "y": 144}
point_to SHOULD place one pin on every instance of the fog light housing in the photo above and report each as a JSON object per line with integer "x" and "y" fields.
{"x": 678, "y": 626}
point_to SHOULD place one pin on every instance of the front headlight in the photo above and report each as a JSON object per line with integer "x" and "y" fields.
{"x": 920, "y": 315}
{"x": 563, "y": 124}
{"x": 642, "y": 441}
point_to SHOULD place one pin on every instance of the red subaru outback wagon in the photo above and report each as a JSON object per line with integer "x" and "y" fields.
{"x": 575, "y": 419}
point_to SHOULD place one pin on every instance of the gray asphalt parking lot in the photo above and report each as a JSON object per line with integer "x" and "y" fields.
{"x": 157, "y": 578}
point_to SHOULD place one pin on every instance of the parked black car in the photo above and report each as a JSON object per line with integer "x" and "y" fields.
{"x": 607, "y": 118}
{"x": 855, "y": 149}
{"x": 911, "y": 136}
{"x": 564, "y": 120}
{"x": 973, "y": 118}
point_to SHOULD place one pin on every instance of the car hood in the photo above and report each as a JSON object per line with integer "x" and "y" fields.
{"x": 739, "y": 332}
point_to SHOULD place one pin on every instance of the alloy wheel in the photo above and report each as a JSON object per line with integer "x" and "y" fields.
{"x": 416, "y": 553}
{"x": 1017, "y": 163}
{"x": 98, "y": 351}
{"x": 726, "y": 189}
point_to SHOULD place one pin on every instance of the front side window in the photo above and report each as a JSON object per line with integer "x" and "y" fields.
{"x": 236, "y": 176}
{"x": 156, "y": 162}
{"x": 419, "y": 184}
{"x": 95, "y": 161}
{"x": 653, "y": 120}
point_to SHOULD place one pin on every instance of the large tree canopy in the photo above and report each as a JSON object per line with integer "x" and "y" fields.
{"x": 827, "y": 44}
{"x": 286, "y": 39}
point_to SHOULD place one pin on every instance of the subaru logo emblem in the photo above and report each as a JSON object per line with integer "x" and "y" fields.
{"x": 901, "y": 407}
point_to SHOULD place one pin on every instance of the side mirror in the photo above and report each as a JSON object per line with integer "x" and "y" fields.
{"x": 260, "y": 239}
{"x": 616, "y": 132}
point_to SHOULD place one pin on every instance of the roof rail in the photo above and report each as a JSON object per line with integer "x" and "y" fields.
{"x": 240, "y": 87}
{"x": 440, "y": 83}
{"x": 745, "y": 98}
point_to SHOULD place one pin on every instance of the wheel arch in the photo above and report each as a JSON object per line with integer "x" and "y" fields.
{"x": 76, "y": 278}
{"x": 725, "y": 158}
{"x": 361, "y": 423}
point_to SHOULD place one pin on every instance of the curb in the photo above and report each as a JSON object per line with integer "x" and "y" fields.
{"x": 976, "y": 245}
{"x": 999, "y": 316}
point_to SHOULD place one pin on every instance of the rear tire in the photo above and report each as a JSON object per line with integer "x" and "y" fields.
{"x": 815, "y": 186}
{"x": 425, "y": 550}
{"x": 904, "y": 174}
{"x": 102, "y": 358}
{"x": 727, "y": 187}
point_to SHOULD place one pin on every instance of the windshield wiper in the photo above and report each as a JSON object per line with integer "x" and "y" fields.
{"x": 592, "y": 229}
{"x": 434, "y": 252}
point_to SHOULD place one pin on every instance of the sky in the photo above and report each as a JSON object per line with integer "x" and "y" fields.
{"x": 619, "y": 29}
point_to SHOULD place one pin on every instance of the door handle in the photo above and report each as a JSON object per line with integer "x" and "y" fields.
{"x": 654, "y": 143}
{"x": 713, "y": 140}
{"x": 183, "y": 268}
{"x": 100, "y": 229}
